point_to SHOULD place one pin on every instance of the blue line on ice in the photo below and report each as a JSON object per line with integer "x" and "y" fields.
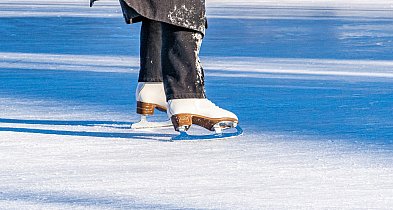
{"x": 311, "y": 81}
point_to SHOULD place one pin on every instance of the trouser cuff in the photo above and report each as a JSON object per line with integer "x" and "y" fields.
{"x": 185, "y": 96}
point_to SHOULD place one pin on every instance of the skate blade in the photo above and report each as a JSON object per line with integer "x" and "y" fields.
{"x": 147, "y": 125}
{"x": 183, "y": 136}
{"x": 224, "y": 125}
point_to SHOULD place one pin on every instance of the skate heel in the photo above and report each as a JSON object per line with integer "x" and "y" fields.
{"x": 148, "y": 108}
{"x": 181, "y": 122}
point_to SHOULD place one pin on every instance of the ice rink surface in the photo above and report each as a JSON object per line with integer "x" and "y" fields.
{"x": 311, "y": 81}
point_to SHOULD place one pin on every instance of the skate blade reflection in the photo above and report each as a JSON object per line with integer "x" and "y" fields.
{"x": 144, "y": 124}
{"x": 183, "y": 136}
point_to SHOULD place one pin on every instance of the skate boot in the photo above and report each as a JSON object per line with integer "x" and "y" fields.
{"x": 150, "y": 96}
{"x": 201, "y": 112}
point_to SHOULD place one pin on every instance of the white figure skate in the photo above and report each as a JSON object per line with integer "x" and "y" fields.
{"x": 204, "y": 113}
{"x": 150, "y": 96}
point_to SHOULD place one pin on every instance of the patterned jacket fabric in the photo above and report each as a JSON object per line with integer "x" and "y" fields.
{"x": 190, "y": 14}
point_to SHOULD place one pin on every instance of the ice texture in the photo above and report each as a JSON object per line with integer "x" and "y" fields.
{"x": 311, "y": 82}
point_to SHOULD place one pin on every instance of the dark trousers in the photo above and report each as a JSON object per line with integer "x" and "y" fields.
{"x": 170, "y": 54}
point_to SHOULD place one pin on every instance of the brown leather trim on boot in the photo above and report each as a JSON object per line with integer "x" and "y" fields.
{"x": 187, "y": 120}
{"x": 148, "y": 108}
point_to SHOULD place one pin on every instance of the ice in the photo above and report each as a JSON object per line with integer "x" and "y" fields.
{"x": 311, "y": 81}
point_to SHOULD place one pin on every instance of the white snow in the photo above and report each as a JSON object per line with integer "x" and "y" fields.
{"x": 318, "y": 127}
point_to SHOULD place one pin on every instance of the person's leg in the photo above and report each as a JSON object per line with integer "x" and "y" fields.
{"x": 150, "y": 94}
{"x": 184, "y": 83}
{"x": 182, "y": 71}
{"x": 150, "y": 52}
